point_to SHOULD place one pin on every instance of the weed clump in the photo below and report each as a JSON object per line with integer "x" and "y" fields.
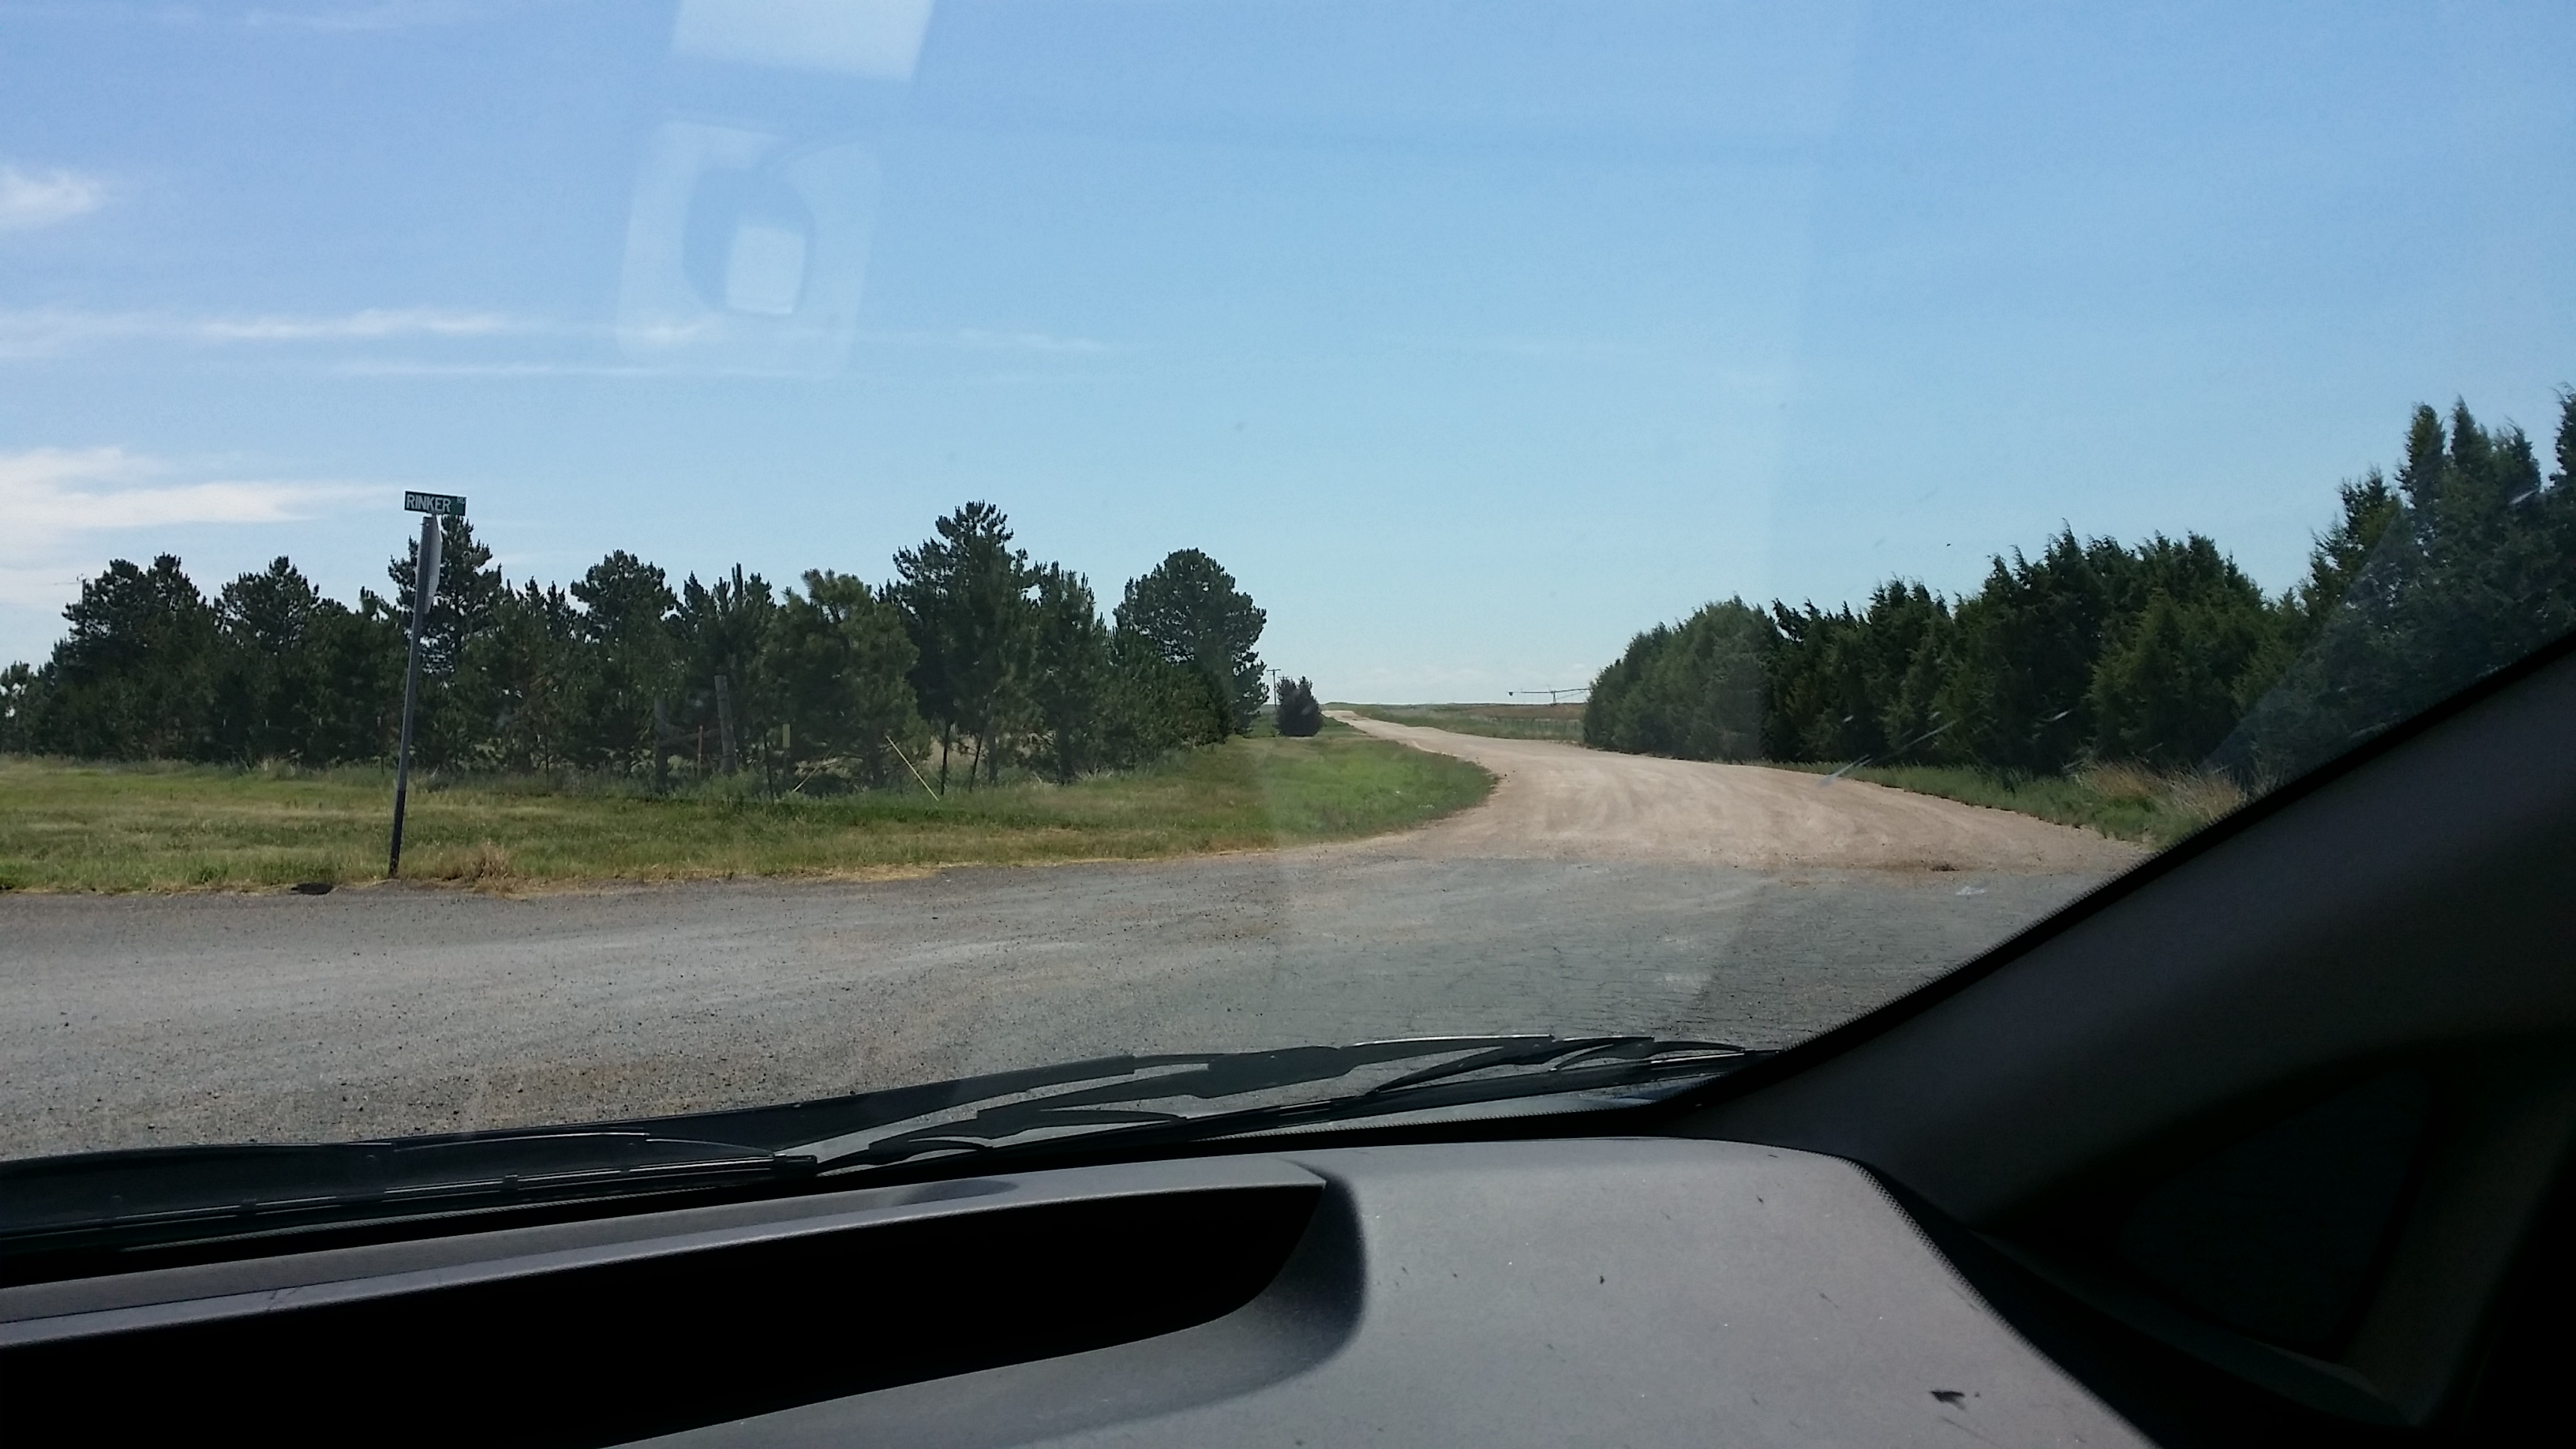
{"x": 487, "y": 863}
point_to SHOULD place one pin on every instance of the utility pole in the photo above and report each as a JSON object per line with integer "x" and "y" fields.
{"x": 424, "y": 589}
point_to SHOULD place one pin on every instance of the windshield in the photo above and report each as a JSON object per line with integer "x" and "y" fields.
{"x": 579, "y": 562}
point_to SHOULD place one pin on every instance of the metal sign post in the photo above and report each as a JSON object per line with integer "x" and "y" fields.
{"x": 432, "y": 507}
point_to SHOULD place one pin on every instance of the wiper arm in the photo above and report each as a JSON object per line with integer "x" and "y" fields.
{"x": 1582, "y": 1054}
{"x": 257, "y": 1185}
{"x": 1544, "y": 1064}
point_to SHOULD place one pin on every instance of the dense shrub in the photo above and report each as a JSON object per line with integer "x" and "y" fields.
{"x": 1694, "y": 691}
{"x": 1300, "y": 714}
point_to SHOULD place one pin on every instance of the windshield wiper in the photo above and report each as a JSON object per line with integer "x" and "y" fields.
{"x": 1473, "y": 1070}
{"x": 182, "y": 1194}
{"x": 161, "y": 1192}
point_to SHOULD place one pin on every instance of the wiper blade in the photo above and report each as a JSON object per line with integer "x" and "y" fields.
{"x": 1472, "y": 1069}
{"x": 251, "y": 1186}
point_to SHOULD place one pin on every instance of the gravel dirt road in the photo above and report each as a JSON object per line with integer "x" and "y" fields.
{"x": 1559, "y": 801}
{"x": 1593, "y": 893}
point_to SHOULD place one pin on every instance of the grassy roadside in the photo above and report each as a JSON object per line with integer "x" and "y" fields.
{"x": 1502, "y": 721}
{"x": 2125, "y": 802}
{"x": 67, "y": 826}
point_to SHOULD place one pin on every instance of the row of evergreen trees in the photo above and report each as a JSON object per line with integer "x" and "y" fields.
{"x": 971, "y": 651}
{"x": 2164, "y": 654}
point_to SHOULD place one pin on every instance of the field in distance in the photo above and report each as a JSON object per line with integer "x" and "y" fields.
{"x": 1502, "y": 721}
{"x": 124, "y": 827}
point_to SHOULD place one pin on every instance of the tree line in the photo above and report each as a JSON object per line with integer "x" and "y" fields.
{"x": 971, "y": 653}
{"x": 2164, "y": 654}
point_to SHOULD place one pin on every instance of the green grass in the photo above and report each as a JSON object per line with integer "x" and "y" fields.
{"x": 1503, "y": 721}
{"x": 67, "y": 826}
{"x": 2125, "y": 802}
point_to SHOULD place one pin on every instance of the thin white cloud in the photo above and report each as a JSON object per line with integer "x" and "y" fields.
{"x": 63, "y": 511}
{"x": 372, "y": 324}
{"x": 964, "y": 339}
{"x": 359, "y": 19}
{"x": 378, "y": 367}
{"x": 1536, "y": 349}
{"x": 56, "y": 331}
{"x": 50, "y": 332}
{"x": 33, "y": 199}
{"x": 1028, "y": 342}
{"x": 977, "y": 339}
{"x": 52, "y": 495}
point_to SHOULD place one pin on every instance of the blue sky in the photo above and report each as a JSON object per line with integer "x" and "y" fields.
{"x": 1473, "y": 338}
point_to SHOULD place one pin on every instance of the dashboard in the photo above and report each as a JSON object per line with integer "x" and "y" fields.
{"x": 1597, "y": 1291}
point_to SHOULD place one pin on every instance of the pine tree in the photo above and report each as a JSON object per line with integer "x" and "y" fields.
{"x": 2473, "y": 564}
{"x": 449, "y": 728}
{"x": 964, "y": 596}
{"x": 269, "y": 690}
{"x": 1070, "y": 671}
{"x": 133, "y": 679}
{"x": 835, "y": 665}
{"x": 628, "y": 618}
{"x": 1189, "y": 608}
{"x": 525, "y": 679}
{"x": 721, "y": 631}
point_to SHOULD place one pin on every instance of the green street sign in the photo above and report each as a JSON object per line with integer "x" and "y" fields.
{"x": 450, "y": 504}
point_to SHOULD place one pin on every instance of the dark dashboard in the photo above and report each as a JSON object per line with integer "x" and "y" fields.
{"x": 1601, "y": 1291}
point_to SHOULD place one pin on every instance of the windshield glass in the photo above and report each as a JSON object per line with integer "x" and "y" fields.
{"x": 963, "y": 537}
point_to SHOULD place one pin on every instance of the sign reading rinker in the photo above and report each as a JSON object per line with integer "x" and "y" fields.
{"x": 450, "y": 504}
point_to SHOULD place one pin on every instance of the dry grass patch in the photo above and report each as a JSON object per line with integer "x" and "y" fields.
{"x": 2193, "y": 796}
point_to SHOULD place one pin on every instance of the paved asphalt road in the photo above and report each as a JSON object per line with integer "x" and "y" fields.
{"x": 128, "y": 1021}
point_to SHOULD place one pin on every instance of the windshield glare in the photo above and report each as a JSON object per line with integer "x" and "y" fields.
{"x": 577, "y": 563}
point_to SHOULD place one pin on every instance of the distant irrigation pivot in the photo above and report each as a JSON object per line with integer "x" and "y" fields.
{"x": 1553, "y": 695}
